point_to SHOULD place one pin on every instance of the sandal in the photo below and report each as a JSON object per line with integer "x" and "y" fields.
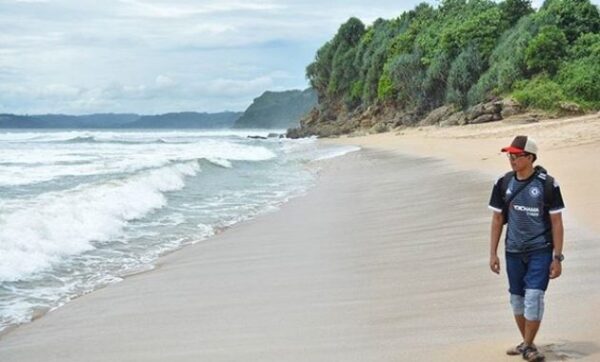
{"x": 517, "y": 350}
{"x": 531, "y": 354}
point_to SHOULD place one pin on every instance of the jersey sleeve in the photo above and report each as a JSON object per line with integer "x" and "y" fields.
{"x": 558, "y": 204}
{"x": 496, "y": 200}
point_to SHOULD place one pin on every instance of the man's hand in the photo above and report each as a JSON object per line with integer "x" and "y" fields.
{"x": 555, "y": 269}
{"x": 495, "y": 264}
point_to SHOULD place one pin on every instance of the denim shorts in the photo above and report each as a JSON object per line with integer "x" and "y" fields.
{"x": 529, "y": 270}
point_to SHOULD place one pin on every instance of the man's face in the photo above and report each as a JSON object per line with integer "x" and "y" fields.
{"x": 519, "y": 161}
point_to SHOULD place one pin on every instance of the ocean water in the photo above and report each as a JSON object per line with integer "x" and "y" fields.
{"x": 83, "y": 209}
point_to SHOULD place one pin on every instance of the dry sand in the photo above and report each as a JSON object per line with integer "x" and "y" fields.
{"x": 384, "y": 260}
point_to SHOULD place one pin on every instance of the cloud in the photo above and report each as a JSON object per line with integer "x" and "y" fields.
{"x": 157, "y": 9}
{"x": 235, "y": 87}
{"x": 48, "y": 91}
{"x": 161, "y": 94}
{"x": 163, "y": 81}
{"x": 59, "y": 91}
{"x": 151, "y": 56}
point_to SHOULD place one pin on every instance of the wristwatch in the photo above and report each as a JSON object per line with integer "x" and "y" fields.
{"x": 559, "y": 257}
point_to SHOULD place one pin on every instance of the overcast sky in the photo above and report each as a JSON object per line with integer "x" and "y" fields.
{"x": 156, "y": 56}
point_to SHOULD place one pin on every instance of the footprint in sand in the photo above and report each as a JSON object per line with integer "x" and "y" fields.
{"x": 568, "y": 350}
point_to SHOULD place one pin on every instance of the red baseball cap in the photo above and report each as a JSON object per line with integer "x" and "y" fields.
{"x": 522, "y": 144}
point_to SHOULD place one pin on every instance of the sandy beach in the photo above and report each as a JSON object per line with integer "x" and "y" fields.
{"x": 569, "y": 149}
{"x": 385, "y": 259}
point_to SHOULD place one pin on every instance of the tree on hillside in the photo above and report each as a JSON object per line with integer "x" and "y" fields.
{"x": 464, "y": 73}
{"x": 587, "y": 45}
{"x": 580, "y": 76}
{"x": 573, "y": 17}
{"x": 333, "y": 72}
{"x": 513, "y": 10}
{"x": 343, "y": 71}
{"x": 350, "y": 32}
{"x": 406, "y": 73}
{"x": 435, "y": 82}
{"x": 545, "y": 52}
{"x": 481, "y": 29}
{"x": 374, "y": 51}
{"x": 507, "y": 63}
{"x": 318, "y": 72}
{"x": 580, "y": 80}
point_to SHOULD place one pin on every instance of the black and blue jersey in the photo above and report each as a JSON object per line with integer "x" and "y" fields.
{"x": 528, "y": 226}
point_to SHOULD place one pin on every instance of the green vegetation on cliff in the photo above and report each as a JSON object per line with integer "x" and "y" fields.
{"x": 280, "y": 110}
{"x": 461, "y": 53}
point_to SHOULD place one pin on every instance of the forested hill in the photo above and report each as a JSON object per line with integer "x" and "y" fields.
{"x": 280, "y": 110}
{"x": 186, "y": 120}
{"x": 125, "y": 120}
{"x": 98, "y": 120}
{"x": 458, "y": 54}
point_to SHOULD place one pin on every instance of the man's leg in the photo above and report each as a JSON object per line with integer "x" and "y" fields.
{"x": 520, "y": 319}
{"x": 516, "y": 269}
{"x": 517, "y": 303}
{"x": 534, "y": 311}
{"x": 536, "y": 281}
{"x": 531, "y": 329}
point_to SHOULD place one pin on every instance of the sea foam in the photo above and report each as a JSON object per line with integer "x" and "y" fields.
{"x": 30, "y": 166}
{"x": 65, "y": 223}
{"x": 80, "y": 209}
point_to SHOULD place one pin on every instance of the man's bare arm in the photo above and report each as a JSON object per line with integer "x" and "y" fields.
{"x": 496, "y": 231}
{"x": 558, "y": 240}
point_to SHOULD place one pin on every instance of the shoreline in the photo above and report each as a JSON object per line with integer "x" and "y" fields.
{"x": 319, "y": 280}
{"x": 357, "y": 269}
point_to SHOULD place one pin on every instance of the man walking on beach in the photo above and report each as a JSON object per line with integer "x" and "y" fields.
{"x": 529, "y": 201}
